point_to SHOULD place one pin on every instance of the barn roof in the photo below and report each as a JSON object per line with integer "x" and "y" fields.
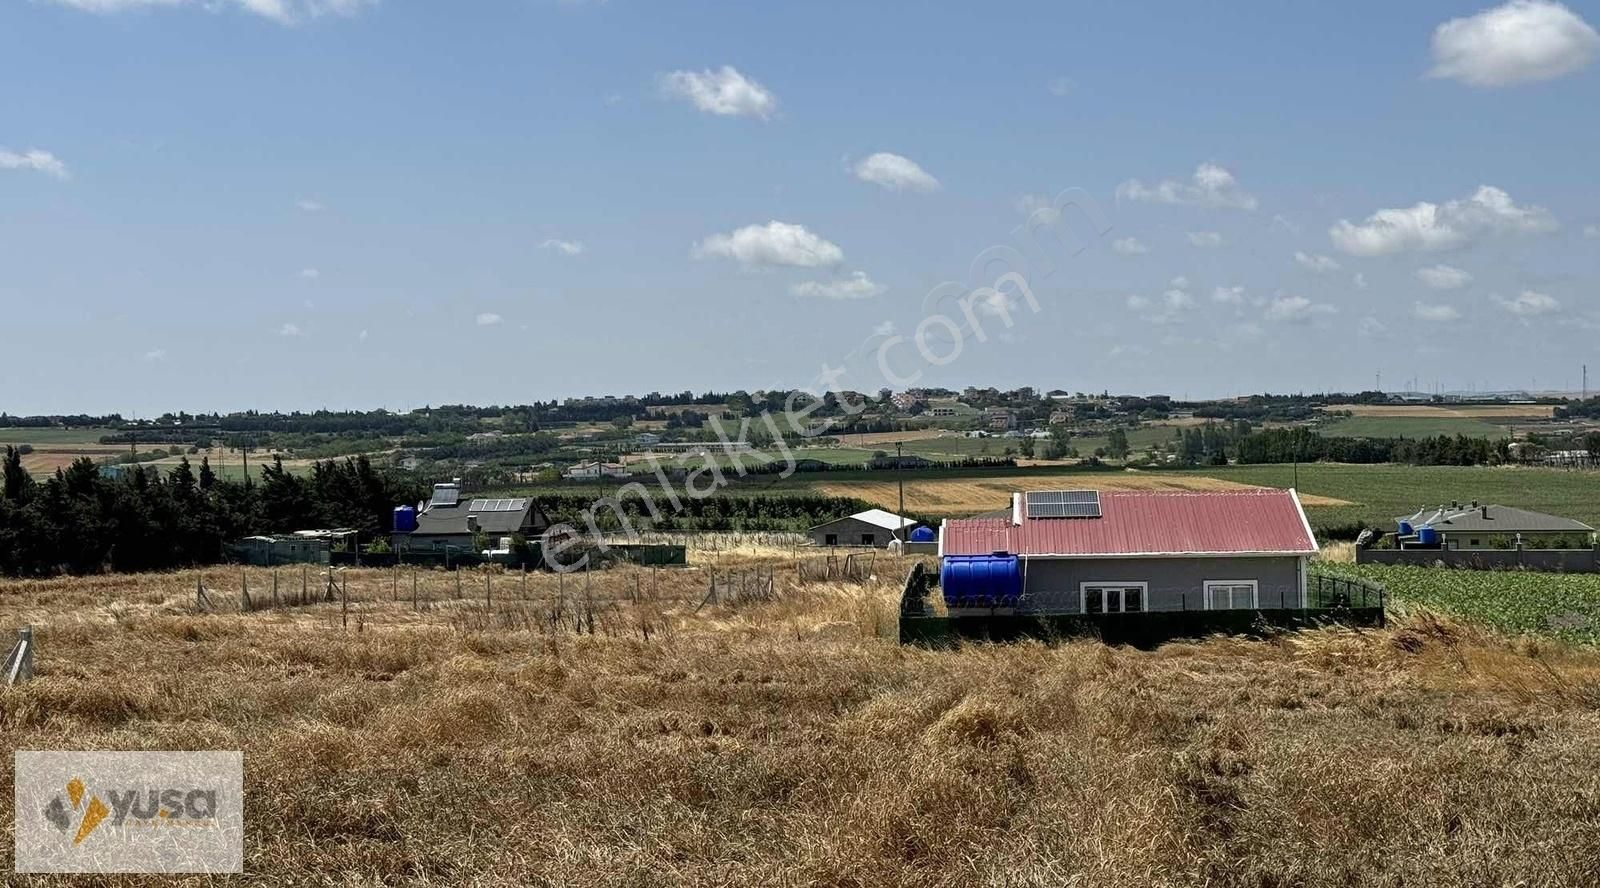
{"x": 877, "y": 518}
{"x": 1146, "y": 523}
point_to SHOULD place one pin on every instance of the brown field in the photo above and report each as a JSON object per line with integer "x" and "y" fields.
{"x": 793, "y": 742}
{"x": 876, "y": 439}
{"x": 46, "y": 458}
{"x": 963, "y": 496}
{"x": 1484, "y": 411}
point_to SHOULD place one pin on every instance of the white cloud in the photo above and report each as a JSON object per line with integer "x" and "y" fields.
{"x": 1129, "y": 246}
{"x": 35, "y": 160}
{"x": 1428, "y": 226}
{"x": 291, "y": 330}
{"x": 775, "y": 243}
{"x": 886, "y": 328}
{"x": 996, "y": 303}
{"x": 1062, "y": 86}
{"x": 724, "y": 92}
{"x": 1296, "y": 309}
{"x": 309, "y": 206}
{"x": 564, "y": 247}
{"x": 1360, "y": 281}
{"x": 1228, "y": 295}
{"x": 1520, "y": 42}
{"x": 895, "y": 173}
{"x": 1371, "y": 326}
{"x": 1591, "y": 231}
{"x": 1205, "y": 238}
{"x": 1167, "y": 308}
{"x": 310, "y": 274}
{"x": 362, "y": 336}
{"x": 156, "y": 354}
{"x": 488, "y": 319}
{"x": 856, "y": 286}
{"x": 1436, "y": 312}
{"x": 1443, "y": 277}
{"x": 1210, "y": 186}
{"x": 286, "y": 12}
{"x": 1529, "y": 304}
{"x": 1028, "y": 204}
{"x": 1317, "y": 264}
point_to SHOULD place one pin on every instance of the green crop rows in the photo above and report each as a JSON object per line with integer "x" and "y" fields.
{"x": 1563, "y": 605}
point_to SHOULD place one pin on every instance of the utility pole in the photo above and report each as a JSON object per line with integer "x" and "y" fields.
{"x": 899, "y": 478}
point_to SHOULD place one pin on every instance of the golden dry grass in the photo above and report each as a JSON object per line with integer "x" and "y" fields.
{"x": 1480, "y": 411}
{"x": 958, "y": 496}
{"x": 876, "y": 439}
{"x": 793, "y": 742}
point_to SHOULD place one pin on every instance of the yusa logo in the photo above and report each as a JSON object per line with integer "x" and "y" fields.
{"x": 145, "y": 807}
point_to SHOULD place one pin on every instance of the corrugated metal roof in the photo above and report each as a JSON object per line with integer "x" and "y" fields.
{"x": 1143, "y": 522}
{"x": 886, "y": 520}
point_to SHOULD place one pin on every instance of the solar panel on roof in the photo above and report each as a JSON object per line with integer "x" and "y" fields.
{"x": 1063, "y": 503}
{"x": 445, "y": 496}
{"x": 497, "y": 505}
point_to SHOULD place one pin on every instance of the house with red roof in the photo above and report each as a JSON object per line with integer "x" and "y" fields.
{"x": 1133, "y": 551}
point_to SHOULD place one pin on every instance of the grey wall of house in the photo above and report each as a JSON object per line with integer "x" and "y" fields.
{"x": 1174, "y": 583}
{"x": 1484, "y": 540}
{"x": 851, "y": 532}
{"x": 1554, "y": 560}
{"x": 421, "y": 542}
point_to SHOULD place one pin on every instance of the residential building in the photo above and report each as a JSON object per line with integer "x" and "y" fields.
{"x": 1477, "y": 526}
{"x": 1000, "y": 419}
{"x": 1089, "y": 552}
{"x": 874, "y": 527}
{"x": 594, "y": 470}
{"x": 447, "y": 522}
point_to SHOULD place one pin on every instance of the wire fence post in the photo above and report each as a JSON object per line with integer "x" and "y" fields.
{"x": 19, "y": 663}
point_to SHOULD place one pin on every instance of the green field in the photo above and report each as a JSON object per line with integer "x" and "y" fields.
{"x": 51, "y": 436}
{"x": 1411, "y": 427}
{"x": 1563, "y": 605}
{"x": 1381, "y": 492}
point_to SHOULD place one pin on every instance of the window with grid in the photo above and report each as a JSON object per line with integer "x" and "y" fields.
{"x": 1230, "y": 594}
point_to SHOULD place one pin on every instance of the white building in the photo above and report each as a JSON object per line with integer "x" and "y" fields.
{"x": 595, "y": 470}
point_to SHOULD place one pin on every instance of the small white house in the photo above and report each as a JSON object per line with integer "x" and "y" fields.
{"x": 874, "y": 527}
{"x": 594, "y": 471}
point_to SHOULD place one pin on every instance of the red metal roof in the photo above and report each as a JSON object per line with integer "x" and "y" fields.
{"x": 1147, "y": 522}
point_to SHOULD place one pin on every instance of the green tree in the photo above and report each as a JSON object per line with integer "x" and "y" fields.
{"x": 1117, "y": 444}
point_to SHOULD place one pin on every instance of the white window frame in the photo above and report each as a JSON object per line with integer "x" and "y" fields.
{"x": 1120, "y": 586}
{"x": 1255, "y": 593}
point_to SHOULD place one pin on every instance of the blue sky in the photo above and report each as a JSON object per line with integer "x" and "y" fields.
{"x": 337, "y": 203}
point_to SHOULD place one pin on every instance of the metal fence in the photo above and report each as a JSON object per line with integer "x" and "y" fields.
{"x": 1335, "y": 591}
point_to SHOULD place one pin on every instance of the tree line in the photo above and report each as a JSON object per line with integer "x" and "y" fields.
{"x": 1220, "y": 443}
{"x": 82, "y": 521}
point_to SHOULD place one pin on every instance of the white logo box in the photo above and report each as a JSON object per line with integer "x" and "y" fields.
{"x": 129, "y": 812}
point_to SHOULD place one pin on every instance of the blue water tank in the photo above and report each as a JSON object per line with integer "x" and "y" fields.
{"x": 1405, "y": 528}
{"x": 981, "y": 580}
{"x": 405, "y": 519}
{"x": 922, "y": 535}
{"x": 1427, "y": 536}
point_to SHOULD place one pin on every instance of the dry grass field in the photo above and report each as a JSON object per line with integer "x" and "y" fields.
{"x": 791, "y": 741}
{"x": 965, "y": 496}
{"x": 870, "y": 440}
{"x": 1477, "y": 411}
